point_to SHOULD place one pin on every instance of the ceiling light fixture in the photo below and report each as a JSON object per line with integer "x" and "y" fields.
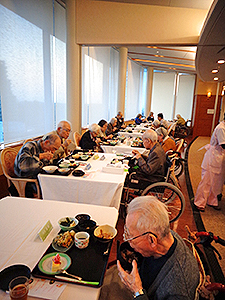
{"x": 215, "y": 78}
{"x": 215, "y": 71}
{"x": 221, "y": 61}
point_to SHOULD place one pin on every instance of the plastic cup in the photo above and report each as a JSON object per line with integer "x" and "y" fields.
{"x": 18, "y": 288}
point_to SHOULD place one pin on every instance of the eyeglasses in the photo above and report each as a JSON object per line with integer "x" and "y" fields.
{"x": 66, "y": 129}
{"x": 126, "y": 235}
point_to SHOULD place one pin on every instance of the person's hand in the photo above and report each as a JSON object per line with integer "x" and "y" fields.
{"x": 136, "y": 153}
{"x": 131, "y": 280}
{"x": 114, "y": 128}
{"x": 46, "y": 155}
{"x": 67, "y": 142}
{"x": 110, "y": 136}
{"x": 98, "y": 140}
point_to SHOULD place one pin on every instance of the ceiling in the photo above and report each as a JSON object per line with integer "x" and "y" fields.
{"x": 177, "y": 58}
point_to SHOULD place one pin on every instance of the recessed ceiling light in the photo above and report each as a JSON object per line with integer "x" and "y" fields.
{"x": 215, "y": 78}
{"x": 215, "y": 71}
{"x": 221, "y": 61}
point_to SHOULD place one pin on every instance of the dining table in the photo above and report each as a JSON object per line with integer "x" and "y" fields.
{"x": 121, "y": 148}
{"x": 95, "y": 187}
{"x": 20, "y": 221}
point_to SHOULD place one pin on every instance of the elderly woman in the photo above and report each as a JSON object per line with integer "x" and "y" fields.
{"x": 180, "y": 120}
{"x": 89, "y": 139}
{"x": 102, "y": 132}
{"x": 111, "y": 128}
{"x": 166, "y": 142}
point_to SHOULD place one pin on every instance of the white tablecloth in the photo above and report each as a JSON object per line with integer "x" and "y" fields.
{"x": 20, "y": 221}
{"x": 122, "y": 149}
{"x": 100, "y": 188}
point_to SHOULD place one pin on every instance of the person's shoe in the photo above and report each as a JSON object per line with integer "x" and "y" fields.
{"x": 202, "y": 209}
{"x": 219, "y": 197}
{"x": 216, "y": 207}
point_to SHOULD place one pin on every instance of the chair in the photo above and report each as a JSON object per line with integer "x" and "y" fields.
{"x": 77, "y": 138}
{"x": 8, "y": 156}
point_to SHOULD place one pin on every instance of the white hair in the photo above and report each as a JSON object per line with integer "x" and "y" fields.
{"x": 162, "y": 130}
{"x": 94, "y": 128}
{"x": 153, "y": 215}
{"x": 112, "y": 121}
{"x": 150, "y": 134}
{"x": 156, "y": 123}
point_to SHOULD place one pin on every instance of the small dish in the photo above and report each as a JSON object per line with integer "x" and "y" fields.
{"x": 63, "y": 170}
{"x": 45, "y": 264}
{"x": 105, "y": 233}
{"x": 87, "y": 225}
{"x": 78, "y": 173}
{"x": 84, "y": 157}
{"x": 68, "y": 223}
{"x": 50, "y": 169}
{"x": 82, "y": 217}
{"x": 60, "y": 248}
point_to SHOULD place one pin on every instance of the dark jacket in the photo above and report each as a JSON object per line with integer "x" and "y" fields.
{"x": 87, "y": 142}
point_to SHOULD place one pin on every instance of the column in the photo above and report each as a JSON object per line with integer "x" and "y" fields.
{"x": 122, "y": 79}
{"x": 74, "y": 106}
{"x": 149, "y": 91}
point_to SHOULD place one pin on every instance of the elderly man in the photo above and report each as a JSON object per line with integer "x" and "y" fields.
{"x": 153, "y": 165}
{"x": 63, "y": 130}
{"x": 163, "y": 122}
{"x": 120, "y": 121}
{"x": 168, "y": 269}
{"x": 165, "y": 141}
{"x": 33, "y": 156}
{"x": 89, "y": 139}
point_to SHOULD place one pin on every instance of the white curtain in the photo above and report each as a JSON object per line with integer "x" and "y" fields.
{"x": 185, "y": 95}
{"x": 28, "y": 68}
{"x": 163, "y": 93}
{"x": 133, "y": 103}
{"x": 99, "y": 84}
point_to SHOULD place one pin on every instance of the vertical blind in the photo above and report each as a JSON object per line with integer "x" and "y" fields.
{"x": 32, "y": 64}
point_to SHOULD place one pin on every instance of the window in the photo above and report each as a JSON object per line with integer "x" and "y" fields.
{"x": 32, "y": 62}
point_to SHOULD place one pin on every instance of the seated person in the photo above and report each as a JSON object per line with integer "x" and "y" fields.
{"x": 180, "y": 120}
{"x": 139, "y": 119}
{"x": 120, "y": 121}
{"x": 168, "y": 269}
{"x": 89, "y": 139}
{"x": 153, "y": 165}
{"x": 156, "y": 124}
{"x": 33, "y": 156}
{"x": 102, "y": 135}
{"x": 163, "y": 122}
{"x": 111, "y": 128}
{"x": 150, "y": 117}
{"x": 63, "y": 130}
{"x": 165, "y": 141}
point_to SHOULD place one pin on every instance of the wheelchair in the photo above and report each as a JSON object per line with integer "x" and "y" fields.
{"x": 165, "y": 188}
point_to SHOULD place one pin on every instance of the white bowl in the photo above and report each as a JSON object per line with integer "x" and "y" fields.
{"x": 63, "y": 170}
{"x": 105, "y": 233}
{"x": 50, "y": 169}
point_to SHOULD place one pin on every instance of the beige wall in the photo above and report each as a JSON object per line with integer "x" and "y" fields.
{"x": 99, "y": 22}
{"x": 204, "y": 87}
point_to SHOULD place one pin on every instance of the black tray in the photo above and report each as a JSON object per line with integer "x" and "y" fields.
{"x": 89, "y": 263}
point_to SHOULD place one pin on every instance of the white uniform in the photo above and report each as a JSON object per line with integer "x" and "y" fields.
{"x": 213, "y": 170}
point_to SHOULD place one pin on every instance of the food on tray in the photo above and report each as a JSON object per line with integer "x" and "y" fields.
{"x": 65, "y": 239}
{"x": 56, "y": 263}
{"x": 68, "y": 222}
{"x": 104, "y": 235}
{"x": 76, "y": 156}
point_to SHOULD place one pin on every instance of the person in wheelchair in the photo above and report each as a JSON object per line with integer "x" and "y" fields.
{"x": 151, "y": 166}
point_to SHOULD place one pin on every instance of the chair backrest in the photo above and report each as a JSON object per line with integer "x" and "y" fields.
{"x": 8, "y": 156}
{"x": 77, "y": 138}
{"x": 179, "y": 144}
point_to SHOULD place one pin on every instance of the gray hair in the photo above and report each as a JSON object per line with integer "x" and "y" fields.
{"x": 153, "y": 215}
{"x": 162, "y": 130}
{"x": 112, "y": 121}
{"x": 156, "y": 123}
{"x": 150, "y": 134}
{"x": 94, "y": 128}
{"x": 51, "y": 138}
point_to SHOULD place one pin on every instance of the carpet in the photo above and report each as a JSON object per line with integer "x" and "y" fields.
{"x": 210, "y": 220}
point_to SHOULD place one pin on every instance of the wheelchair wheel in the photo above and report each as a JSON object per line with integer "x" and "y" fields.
{"x": 169, "y": 195}
{"x": 172, "y": 180}
{"x": 179, "y": 167}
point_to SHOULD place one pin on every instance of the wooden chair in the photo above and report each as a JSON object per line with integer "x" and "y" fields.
{"x": 77, "y": 138}
{"x": 8, "y": 156}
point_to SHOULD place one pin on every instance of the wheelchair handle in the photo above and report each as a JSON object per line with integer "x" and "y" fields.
{"x": 217, "y": 239}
